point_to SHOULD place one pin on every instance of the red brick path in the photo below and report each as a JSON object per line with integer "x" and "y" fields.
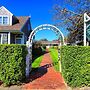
{"x": 46, "y": 77}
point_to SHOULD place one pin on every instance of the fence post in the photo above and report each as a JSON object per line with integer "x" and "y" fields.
{"x": 59, "y": 56}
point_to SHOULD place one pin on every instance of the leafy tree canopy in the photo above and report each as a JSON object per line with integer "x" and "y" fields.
{"x": 69, "y": 14}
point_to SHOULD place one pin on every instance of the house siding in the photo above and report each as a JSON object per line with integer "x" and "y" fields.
{"x": 12, "y": 38}
{"x": 27, "y": 29}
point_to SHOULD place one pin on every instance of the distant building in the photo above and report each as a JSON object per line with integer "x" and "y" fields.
{"x": 50, "y": 43}
{"x": 13, "y": 30}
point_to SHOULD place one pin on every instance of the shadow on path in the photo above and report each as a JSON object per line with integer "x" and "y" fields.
{"x": 36, "y": 73}
{"x": 39, "y": 72}
{"x": 36, "y": 55}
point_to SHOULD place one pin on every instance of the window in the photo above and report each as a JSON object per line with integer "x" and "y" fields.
{"x": 3, "y": 38}
{"x": 18, "y": 36}
{"x": 18, "y": 39}
{"x": 0, "y": 20}
{"x": 5, "y": 20}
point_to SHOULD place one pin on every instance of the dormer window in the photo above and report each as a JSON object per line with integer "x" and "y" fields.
{"x": 0, "y": 20}
{"x": 4, "y": 20}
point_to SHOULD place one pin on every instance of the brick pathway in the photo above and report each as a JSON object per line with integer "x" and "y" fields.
{"x": 45, "y": 77}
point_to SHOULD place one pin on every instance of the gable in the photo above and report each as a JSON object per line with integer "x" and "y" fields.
{"x": 10, "y": 22}
{"x": 4, "y": 11}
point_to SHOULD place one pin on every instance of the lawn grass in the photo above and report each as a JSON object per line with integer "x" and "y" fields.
{"x": 37, "y": 62}
{"x": 54, "y": 56}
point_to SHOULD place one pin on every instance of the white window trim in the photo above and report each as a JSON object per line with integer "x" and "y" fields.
{"x": 9, "y": 38}
{"x": 2, "y": 38}
{"x": 2, "y": 20}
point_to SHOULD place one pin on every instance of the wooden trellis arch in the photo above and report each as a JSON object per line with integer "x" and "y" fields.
{"x": 30, "y": 41}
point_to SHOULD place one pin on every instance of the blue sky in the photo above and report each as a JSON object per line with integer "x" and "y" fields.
{"x": 39, "y": 10}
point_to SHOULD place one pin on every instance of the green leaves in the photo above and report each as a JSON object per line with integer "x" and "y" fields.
{"x": 37, "y": 62}
{"x": 12, "y": 63}
{"x": 75, "y": 65}
{"x": 54, "y": 56}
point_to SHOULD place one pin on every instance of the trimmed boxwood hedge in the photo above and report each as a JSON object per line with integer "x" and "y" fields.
{"x": 76, "y": 65}
{"x": 12, "y": 63}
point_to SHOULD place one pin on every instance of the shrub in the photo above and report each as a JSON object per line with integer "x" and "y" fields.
{"x": 44, "y": 47}
{"x": 37, "y": 51}
{"x": 12, "y": 63}
{"x": 55, "y": 47}
{"x": 76, "y": 65}
{"x": 37, "y": 62}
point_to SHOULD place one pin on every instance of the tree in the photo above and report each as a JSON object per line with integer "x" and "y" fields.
{"x": 72, "y": 20}
{"x": 43, "y": 39}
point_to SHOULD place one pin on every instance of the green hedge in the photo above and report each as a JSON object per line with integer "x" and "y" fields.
{"x": 12, "y": 63}
{"x": 76, "y": 65}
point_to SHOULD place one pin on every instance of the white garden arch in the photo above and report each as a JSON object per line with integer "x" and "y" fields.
{"x": 30, "y": 41}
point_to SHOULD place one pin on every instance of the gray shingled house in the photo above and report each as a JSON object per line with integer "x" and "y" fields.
{"x": 13, "y": 30}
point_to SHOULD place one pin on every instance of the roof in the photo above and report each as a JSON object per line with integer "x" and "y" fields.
{"x": 17, "y": 26}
